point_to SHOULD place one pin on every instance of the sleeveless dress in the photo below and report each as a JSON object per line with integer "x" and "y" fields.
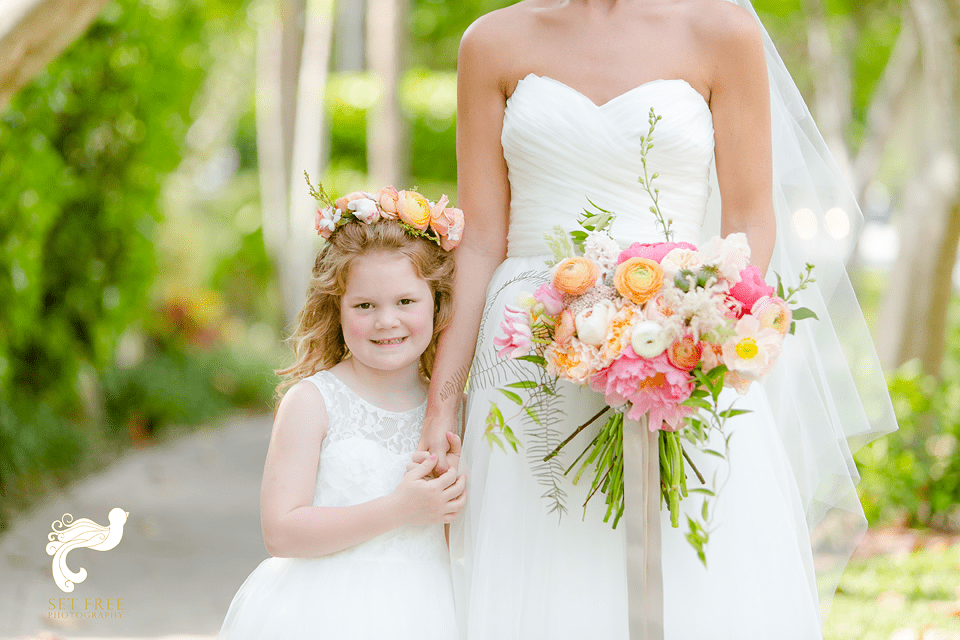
{"x": 529, "y": 562}
{"x": 392, "y": 587}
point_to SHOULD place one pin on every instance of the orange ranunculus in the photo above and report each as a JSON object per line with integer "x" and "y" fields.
{"x": 575, "y": 276}
{"x": 685, "y": 353}
{"x": 414, "y": 209}
{"x": 638, "y": 279}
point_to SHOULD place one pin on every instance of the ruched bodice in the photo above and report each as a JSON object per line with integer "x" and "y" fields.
{"x": 562, "y": 149}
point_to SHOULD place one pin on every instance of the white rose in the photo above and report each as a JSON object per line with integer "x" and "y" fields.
{"x": 649, "y": 339}
{"x": 365, "y": 209}
{"x": 730, "y": 255}
{"x": 592, "y": 323}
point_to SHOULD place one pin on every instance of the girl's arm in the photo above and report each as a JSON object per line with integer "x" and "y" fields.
{"x": 740, "y": 103}
{"x": 483, "y": 193}
{"x": 293, "y": 528}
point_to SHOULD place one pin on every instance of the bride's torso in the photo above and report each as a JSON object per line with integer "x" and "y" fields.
{"x": 563, "y": 151}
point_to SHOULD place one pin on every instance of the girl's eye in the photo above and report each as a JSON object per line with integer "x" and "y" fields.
{"x": 407, "y": 301}
{"x": 364, "y": 305}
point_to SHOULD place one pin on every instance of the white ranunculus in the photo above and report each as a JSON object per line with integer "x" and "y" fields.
{"x": 525, "y": 300}
{"x": 679, "y": 259}
{"x": 649, "y": 339}
{"x": 592, "y": 324}
{"x": 365, "y": 209}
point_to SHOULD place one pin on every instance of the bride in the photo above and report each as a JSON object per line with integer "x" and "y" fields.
{"x": 553, "y": 97}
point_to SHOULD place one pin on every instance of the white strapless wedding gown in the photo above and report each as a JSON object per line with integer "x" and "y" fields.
{"x": 523, "y": 569}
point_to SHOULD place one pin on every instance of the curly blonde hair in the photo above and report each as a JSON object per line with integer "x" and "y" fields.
{"x": 317, "y": 340}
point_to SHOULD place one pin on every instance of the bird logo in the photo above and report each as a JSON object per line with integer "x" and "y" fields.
{"x": 68, "y": 535}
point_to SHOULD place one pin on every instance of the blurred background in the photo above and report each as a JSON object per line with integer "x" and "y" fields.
{"x": 156, "y": 233}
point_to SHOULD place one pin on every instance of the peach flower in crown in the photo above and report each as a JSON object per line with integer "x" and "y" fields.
{"x": 436, "y": 222}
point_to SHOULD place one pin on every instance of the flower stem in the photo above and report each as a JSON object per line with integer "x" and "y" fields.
{"x": 574, "y": 434}
{"x": 692, "y": 466}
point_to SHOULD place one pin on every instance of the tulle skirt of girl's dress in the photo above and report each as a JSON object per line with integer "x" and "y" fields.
{"x": 344, "y": 597}
{"x": 523, "y": 572}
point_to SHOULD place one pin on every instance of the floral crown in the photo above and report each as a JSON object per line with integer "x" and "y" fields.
{"x": 420, "y": 217}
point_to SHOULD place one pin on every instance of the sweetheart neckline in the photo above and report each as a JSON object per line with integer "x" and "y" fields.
{"x": 614, "y": 98}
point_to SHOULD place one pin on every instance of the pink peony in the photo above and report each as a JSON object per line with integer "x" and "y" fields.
{"x": 751, "y": 288}
{"x": 653, "y": 386}
{"x": 654, "y": 252}
{"x": 518, "y": 338}
{"x": 550, "y": 298}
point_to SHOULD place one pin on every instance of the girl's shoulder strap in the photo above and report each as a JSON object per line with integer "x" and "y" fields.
{"x": 333, "y": 397}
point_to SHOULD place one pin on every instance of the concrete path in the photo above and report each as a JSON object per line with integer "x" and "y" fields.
{"x": 192, "y": 536}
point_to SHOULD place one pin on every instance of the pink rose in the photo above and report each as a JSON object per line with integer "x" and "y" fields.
{"x": 773, "y": 313}
{"x": 387, "y": 197}
{"x": 550, "y": 298}
{"x": 454, "y": 229}
{"x": 342, "y": 203}
{"x": 566, "y": 327}
{"x": 439, "y": 222}
{"x": 655, "y": 251}
{"x": 751, "y": 287}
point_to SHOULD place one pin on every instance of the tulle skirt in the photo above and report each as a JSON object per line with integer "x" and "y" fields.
{"x": 343, "y": 598}
{"x": 525, "y": 569}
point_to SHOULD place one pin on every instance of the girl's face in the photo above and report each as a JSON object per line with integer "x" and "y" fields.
{"x": 386, "y": 312}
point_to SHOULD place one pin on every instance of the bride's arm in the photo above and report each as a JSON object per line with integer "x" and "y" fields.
{"x": 483, "y": 195}
{"x": 740, "y": 103}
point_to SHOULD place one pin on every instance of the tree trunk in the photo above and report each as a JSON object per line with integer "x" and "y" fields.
{"x": 33, "y": 32}
{"x": 292, "y": 63}
{"x": 307, "y": 153}
{"x": 913, "y": 308}
{"x": 385, "y": 123}
{"x": 350, "y": 36}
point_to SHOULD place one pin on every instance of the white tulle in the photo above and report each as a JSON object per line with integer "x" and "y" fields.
{"x": 393, "y": 586}
{"x": 525, "y": 569}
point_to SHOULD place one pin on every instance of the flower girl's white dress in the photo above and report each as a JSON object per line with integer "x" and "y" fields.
{"x": 393, "y": 587}
{"x": 522, "y": 570}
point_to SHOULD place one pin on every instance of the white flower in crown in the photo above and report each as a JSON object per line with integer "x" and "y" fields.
{"x": 327, "y": 219}
{"x": 365, "y": 209}
{"x": 602, "y": 249}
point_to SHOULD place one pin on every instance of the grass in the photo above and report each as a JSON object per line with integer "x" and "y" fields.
{"x": 906, "y": 596}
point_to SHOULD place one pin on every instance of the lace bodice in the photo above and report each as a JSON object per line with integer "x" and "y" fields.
{"x": 562, "y": 149}
{"x": 364, "y": 456}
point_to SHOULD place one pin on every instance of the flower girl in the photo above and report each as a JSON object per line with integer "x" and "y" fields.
{"x": 353, "y": 520}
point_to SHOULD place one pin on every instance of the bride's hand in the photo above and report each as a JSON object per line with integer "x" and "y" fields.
{"x": 433, "y": 440}
{"x": 453, "y": 454}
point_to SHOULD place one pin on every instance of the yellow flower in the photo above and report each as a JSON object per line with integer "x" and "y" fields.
{"x": 414, "y": 209}
{"x": 638, "y": 279}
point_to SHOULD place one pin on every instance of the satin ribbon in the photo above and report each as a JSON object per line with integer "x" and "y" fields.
{"x": 641, "y": 478}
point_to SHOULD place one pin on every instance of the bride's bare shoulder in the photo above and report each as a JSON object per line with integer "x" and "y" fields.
{"x": 494, "y": 42}
{"x": 726, "y": 27}
{"x": 501, "y": 29}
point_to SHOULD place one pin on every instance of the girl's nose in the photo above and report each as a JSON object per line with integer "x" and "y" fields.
{"x": 386, "y": 319}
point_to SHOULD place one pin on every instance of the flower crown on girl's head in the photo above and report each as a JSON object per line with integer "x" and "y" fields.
{"x": 420, "y": 217}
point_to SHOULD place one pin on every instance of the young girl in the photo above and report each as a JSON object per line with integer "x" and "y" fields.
{"x": 354, "y": 524}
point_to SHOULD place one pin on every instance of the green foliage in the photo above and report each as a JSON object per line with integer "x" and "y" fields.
{"x": 880, "y": 596}
{"x": 913, "y": 475}
{"x": 84, "y": 149}
{"x": 435, "y": 27}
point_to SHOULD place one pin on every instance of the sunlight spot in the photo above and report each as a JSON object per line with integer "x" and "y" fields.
{"x": 806, "y": 223}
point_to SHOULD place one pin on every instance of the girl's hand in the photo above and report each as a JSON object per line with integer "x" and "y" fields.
{"x": 452, "y": 456}
{"x": 421, "y": 499}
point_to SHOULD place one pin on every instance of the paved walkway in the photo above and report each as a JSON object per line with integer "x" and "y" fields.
{"x": 191, "y": 538}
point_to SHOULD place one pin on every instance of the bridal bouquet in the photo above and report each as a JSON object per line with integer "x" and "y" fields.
{"x": 658, "y": 329}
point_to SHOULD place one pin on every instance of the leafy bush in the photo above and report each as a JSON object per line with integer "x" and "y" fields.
{"x": 913, "y": 475}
